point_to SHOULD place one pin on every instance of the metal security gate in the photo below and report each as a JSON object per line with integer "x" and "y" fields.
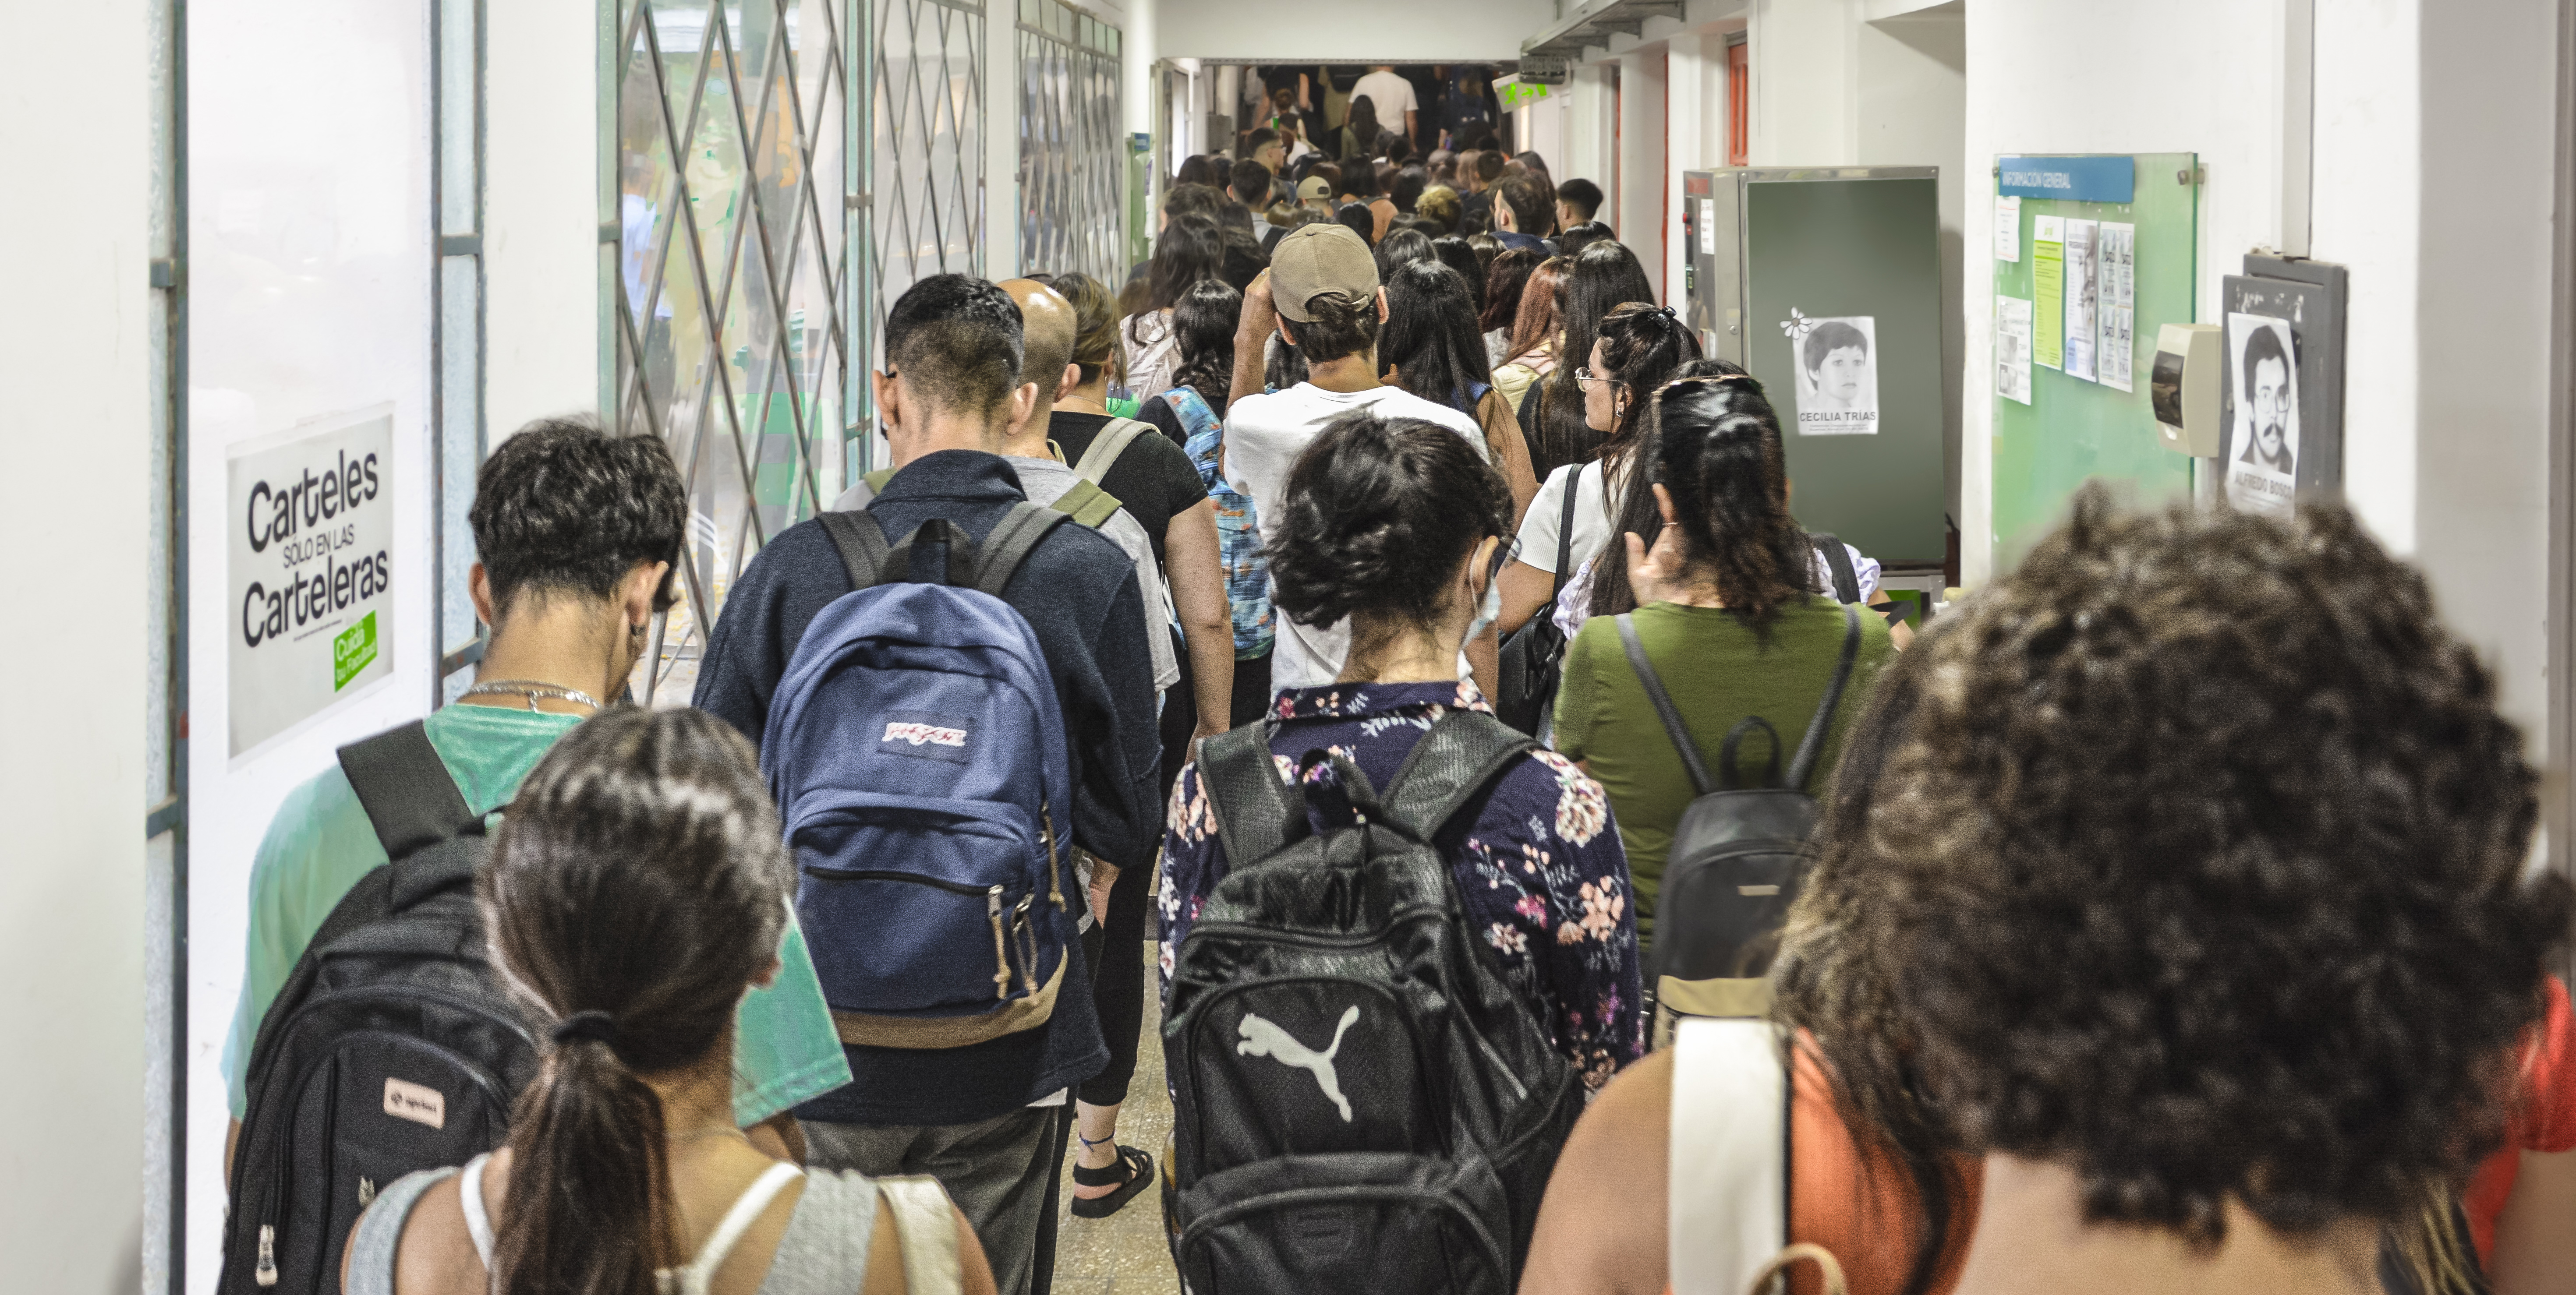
{"x": 1073, "y": 156}
{"x": 734, "y": 197}
{"x": 926, "y": 144}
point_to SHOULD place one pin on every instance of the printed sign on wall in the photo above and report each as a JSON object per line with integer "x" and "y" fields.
{"x": 310, "y": 572}
{"x": 1837, "y": 362}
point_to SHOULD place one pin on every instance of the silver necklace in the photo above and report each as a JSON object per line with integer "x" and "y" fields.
{"x": 532, "y": 691}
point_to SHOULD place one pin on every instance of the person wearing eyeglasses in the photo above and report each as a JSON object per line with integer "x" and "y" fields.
{"x": 577, "y": 533}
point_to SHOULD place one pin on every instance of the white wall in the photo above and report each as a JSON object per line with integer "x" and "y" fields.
{"x": 1910, "y": 109}
{"x": 74, "y": 90}
{"x": 1447, "y": 32}
{"x": 1646, "y": 181}
{"x": 541, "y": 248}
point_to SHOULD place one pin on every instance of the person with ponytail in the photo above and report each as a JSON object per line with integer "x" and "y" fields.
{"x": 1396, "y": 527}
{"x": 636, "y": 891}
{"x": 1727, "y": 610}
{"x": 1639, "y": 347}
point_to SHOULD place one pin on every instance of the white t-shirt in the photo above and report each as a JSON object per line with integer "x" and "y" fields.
{"x": 1591, "y": 519}
{"x": 1153, "y": 353}
{"x": 1391, "y": 94}
{"x": 1263, "y": 436}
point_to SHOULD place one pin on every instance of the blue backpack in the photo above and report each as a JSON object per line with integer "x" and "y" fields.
{"x": 918, "y": 755}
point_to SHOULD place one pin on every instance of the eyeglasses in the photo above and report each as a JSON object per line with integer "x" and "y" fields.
{"x": 1586, "y": 377}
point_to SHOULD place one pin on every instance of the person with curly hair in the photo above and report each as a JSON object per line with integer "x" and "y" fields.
{"x": 2168, "y": 928}
{"x": 1396, "y": 527}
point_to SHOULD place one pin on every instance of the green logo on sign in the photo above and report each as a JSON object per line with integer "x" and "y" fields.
{"x": 354, "y": 650}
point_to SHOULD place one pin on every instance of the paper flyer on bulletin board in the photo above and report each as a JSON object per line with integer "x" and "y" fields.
{"x": 2048, "y": 288}
{"x": 2118, "y": 259}
{"x": 2082, "y": 289}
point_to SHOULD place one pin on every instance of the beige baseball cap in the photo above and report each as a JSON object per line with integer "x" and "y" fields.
{"x": 1313, "y": 187}
{"x": 1316, "y": 259}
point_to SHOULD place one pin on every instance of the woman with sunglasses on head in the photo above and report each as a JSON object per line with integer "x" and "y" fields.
{"x": 1638, "y": 348}
{"x": 1399, "y": 526}
{"x": 1728, "y": 614}
{"x": 635, "y": 892}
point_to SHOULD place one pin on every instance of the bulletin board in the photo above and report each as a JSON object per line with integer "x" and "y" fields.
{"x": 2074, "y": 429}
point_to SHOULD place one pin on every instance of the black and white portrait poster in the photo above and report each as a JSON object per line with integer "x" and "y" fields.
{"x": 1837, "y": 376}
{"x": 2263, "y": 457}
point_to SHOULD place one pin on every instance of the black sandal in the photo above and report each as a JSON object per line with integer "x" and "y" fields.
{"x": 1134, "y": 1172}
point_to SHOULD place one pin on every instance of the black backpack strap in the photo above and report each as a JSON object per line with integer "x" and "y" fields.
{"x": 1838, "y": 560}
{"x": 1009, "y": 543}
{"x": 862, "y": 543}
{"x": 900, "y": 564}
{"x": 1257, "y": 813}
{"x": 1813, "y": 745}
{"x": 1565, "y": 526}
{"x": 1455, "y": 760}
{"x": 1729, "y": 770}
{"x": 1701, "y": 784}
{"x": 409, "y": 796}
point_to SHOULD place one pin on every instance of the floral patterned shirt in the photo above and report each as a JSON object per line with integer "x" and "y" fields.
{"x": 1538, "y": 862}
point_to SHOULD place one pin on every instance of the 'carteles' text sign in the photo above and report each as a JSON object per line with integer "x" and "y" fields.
{"x": 311, "y": 572}
{"x": 2071, "y": 179}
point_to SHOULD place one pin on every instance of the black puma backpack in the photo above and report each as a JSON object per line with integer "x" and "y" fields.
{"x": 391, "y": 1047}
{"x": 1363, "y": 1101}
{"x": 1738, "y": 855}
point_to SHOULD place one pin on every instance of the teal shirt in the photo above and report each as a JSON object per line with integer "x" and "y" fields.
{"x": 320, "y": 843}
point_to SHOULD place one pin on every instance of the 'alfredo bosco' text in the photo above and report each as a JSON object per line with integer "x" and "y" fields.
{"x": 294, "y": 518}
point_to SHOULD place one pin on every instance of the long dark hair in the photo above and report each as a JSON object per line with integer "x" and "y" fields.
{"x": 1204, "y": 324}
{"x": 1191, "y": 249}
{"x": 636, "y": 888}
{"x": 1377, "y": 516}
{"x": 1717, "y": 451}
{"x": 1362, "y": 124}
{"x": 1400, "y": 248}
{"x": 1642, "y": 348}
{"x": 1454, "y": 252}
{"x": 1406, "y": 189}
{"x": 1634, "y": 511}
{"x": 1430, "y": 337}
{"x": 1504, "y": 280}
{"x": 1605, "y": 275}
{"x": 1540, "y": 320}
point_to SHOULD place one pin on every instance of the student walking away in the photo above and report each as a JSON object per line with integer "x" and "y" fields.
{"x": 576, "y": 531}
{"x": 1507, "y": 275}
{"x": 1575, "y": 238}
{"x": 1483, "y": 172}
{"x": 1536, "y": 324}
{"x": 1053, "y": 746}
{"x": 1465, "y": 111}
{"x": 1638, "y": 349}
{"x": 1525, "y": 213}
{"x": 1438, "y": 206}
{"x": 1330, "y": 308}
{"x": 1577, "y": 201}
{"x": 1189, "y": 250}
{"x": 1249, "y": 186}
{"x": 1398, "y": 104}
{"x": 1410, "y": 1077}
{"x": 1980, "y": 955}
{"x": 1398, "y": 250}
{"x": 1729, "y": 626}
{"x": 1192, "y": 413}
{"x": 624, "y": 1171}
{"x": 1604, "y": 277}
{"x": 1360, "y": 134}
{"x": 1432, "y": 348}
{"x": 1457, "y": 254}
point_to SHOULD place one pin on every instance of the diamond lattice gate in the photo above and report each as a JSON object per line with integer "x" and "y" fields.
{"x": 1072, "y": 159}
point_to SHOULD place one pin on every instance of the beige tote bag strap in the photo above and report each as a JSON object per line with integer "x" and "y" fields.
{"x": 926, "y": 1228}
{"x": 1803, "y": 1252}
{"x": 1727, "y": 1203}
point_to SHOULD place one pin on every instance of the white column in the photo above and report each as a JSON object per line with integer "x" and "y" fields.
{"x": 1001, "y": 139}
{"x": 72, "y": 908}
{"x": 541, "y": 248}
{"x": 1136, "y": 53}
{"x": 1692, "y": 126}
{"x": 1588, "y": 120}
{"x": 1643, "y": 173}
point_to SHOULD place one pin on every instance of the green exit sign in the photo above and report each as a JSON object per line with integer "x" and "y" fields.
{"x": 1521, "y": 94}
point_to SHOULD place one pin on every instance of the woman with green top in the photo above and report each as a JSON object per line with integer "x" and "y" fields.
{"x": 1730, "y": 616}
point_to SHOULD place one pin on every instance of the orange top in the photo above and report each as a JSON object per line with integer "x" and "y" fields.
{"x": 1869, "y": 1220}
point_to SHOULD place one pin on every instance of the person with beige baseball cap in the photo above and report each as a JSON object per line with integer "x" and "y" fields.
{"x": 1320, "y": 295}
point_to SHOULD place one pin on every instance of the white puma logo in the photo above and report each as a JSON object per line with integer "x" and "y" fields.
{"x": 1263, "y": 1039}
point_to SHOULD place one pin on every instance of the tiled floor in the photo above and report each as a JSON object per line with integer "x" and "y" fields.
{"x": 1124, "y": 1254}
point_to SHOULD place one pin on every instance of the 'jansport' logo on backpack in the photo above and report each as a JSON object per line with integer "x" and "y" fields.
{"x": 899, "y": 731}
{"x": 925, "y": 736}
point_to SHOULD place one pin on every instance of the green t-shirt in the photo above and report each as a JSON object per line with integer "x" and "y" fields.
{"x": 320, "y": 843}
{"x": 1718, "y": 671}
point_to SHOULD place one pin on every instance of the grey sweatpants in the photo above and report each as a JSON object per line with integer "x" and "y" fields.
{"x": 997, "y": 1171}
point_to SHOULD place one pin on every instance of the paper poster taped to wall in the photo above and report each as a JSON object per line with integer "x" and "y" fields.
{"x": 2116, "y": 360}
{"x": 2048, "y": 291}
{"x": 310, "y": 513}
{"x": 1837, "y": 363}
{"x": 2083, "y": 296}
{"x": 2007, "y": 229}
{"x": 2012, "y": 348}
{"x": 2263, "y": 462}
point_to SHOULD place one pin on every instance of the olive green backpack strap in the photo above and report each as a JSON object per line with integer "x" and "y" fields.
{"x": 1088, "y": 504}
{"x": 1113, "y": 440}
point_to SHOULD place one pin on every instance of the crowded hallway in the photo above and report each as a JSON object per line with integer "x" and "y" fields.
{"x": 1638, "y": 647}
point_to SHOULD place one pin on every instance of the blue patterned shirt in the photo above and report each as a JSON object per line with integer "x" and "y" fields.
{"x": 1238, "y": 530}
{"x": 1538, "y": 862}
